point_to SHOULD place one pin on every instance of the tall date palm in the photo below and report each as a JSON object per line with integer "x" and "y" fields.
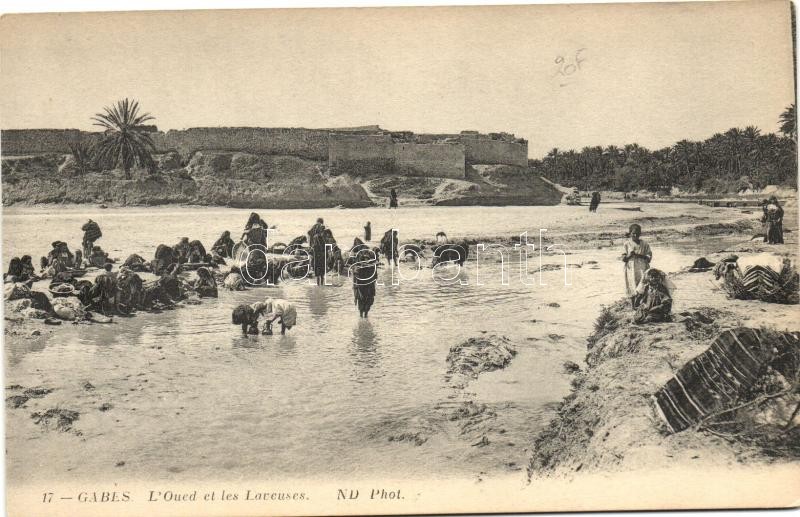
{"x": 124, "y": 143}
{"x": 788, "y": 121}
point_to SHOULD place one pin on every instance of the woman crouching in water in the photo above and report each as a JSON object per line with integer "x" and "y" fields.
{"x": 272, "y": 309}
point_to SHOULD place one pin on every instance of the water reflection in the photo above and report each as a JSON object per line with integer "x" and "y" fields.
{"x": 364, "y": 351}
{"x": 242, "y": 341}
{"x": 318, "y": 301}
{"x": 287, "y": 345}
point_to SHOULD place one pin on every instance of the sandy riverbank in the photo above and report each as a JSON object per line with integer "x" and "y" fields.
{"x": 151, "y": 376}
{"x": 608, "y": 423}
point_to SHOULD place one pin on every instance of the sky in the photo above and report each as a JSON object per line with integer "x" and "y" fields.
{"x": 559, "y": 76}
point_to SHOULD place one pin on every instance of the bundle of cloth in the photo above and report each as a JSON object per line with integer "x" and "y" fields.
{"x": 761, "y": 277}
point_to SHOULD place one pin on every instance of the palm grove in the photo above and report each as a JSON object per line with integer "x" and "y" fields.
{"x": 727, "y": 162}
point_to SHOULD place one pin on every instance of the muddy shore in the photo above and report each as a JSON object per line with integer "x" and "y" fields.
{"x": 608, "y": 422}
{"x": 464, "y": 418}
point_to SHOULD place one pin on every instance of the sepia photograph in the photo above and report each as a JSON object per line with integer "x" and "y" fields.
{"x": 401, "y": 260}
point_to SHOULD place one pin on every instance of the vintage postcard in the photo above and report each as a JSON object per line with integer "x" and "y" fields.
{"x": 400, "y": 260}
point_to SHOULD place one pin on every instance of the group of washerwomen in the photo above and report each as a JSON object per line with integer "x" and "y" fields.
{"x": 122, "y": 291}
{"x": 362, "y": 263}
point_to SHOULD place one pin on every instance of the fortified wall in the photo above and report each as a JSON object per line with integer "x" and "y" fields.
{"x": 362, "y": 150}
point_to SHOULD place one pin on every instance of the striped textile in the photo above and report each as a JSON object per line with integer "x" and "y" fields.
{"x": 760, "y": 281}
{"x": 715, "y": 379}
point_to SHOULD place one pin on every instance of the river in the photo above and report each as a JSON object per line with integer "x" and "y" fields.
{"x": 191, "y": 398}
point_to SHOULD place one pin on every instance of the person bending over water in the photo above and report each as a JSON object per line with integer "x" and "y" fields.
{"x": 636, "y": 255}
{"x": 272, "y": 309}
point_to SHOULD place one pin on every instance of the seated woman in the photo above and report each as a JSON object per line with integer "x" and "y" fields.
{"x": 197, "y": 252}
{"x": 652, "y": 300}
{"x": 101, "y": 295}
{"x": 247, "y": 316}
{"x": 164, "y": 257}
{"x": 205, "y": 285}
{"x": 136, "y": 262}
{"x": 28, "y": 272}
{"x": 59, "y": 258}
{"x": 98, "y": 258}
{"x": 224, "y": 245}
{"x": 170, "y": 283}
{"x": 14, "y": 273}
{"x": 181, "y": 250}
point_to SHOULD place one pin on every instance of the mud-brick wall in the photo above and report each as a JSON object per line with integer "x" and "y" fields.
{"x": 483, "y": 150}
{"x": 437, "y": 160}
{"x": 361, "y": 154}
{"x": 306, "y": 143}
{"x": 16, "y": 142}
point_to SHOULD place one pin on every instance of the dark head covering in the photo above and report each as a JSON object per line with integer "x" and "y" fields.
{"x": 15, "y": 267}
{"x": 239, "y": 315}
{"x": 631, "y": 228}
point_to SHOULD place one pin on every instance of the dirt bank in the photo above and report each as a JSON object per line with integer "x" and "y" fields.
{"x": 608, "y": 422}
{"x": 218, "y": 179}
{"x": 484, "y": 185}
{"x": 235, "y": 179}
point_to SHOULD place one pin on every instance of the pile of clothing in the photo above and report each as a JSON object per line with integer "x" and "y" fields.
{"x": 759, "y": 281}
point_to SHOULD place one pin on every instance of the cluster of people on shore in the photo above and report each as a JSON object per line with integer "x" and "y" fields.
{"x": 124, "y": 290}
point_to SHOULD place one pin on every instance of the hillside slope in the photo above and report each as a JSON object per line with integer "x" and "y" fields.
{"x": 223, "y": 178}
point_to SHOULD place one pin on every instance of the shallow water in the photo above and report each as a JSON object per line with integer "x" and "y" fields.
{"x": 193, "y": 398}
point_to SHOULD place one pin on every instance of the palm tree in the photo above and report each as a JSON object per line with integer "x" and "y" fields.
{"x": 124, "y": 144}
{"x": 82, "y": 156}
{"x": 788, "y": 122}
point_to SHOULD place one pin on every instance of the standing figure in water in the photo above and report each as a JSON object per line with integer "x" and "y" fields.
{"x": 636, "y": 255}
{"x": 316, "y": 239}
{"x": 393, "y": 199}
{"x": 595, "y": 202}
{"x": 368, "y": 232}
{"x": 365, "y": 275}
{"x": 389, "y": 247}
